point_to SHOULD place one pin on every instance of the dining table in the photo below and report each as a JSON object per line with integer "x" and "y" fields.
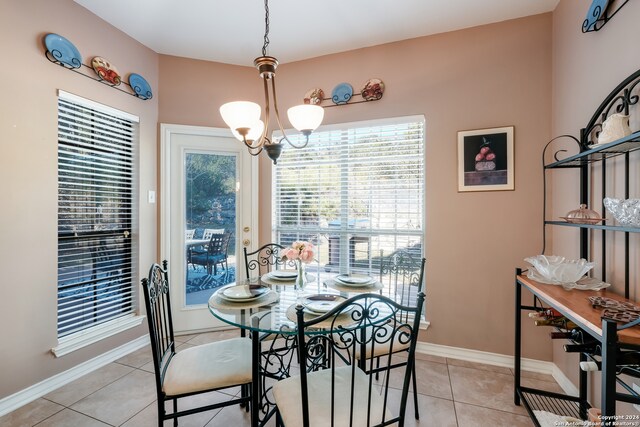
{"x": 264, "y": 308}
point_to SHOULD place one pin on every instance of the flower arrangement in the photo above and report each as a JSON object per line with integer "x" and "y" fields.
{"x": 298, "y": 251}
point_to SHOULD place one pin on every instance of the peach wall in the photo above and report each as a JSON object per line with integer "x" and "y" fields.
{"x": 586, "y": 67}
{"x": 494, "y": 75}
{"x": 28, "y": 172}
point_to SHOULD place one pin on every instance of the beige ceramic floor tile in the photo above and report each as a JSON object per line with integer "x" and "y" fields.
{"x": 476, "y": 416}
{"x": 234, "y": 416}
{"x": 433, "y": 411}
{"x": 483, "y": 388}
{"x": 137, "y": 358}
{"x": 542, "y": 385}
{"x": 67, "y": 418}
{"x": 480, "y": 366}
{"x": 148, "y": 417}
{"x": 432, "y": 379}
{"x": 536, "y": 376}
{"x": 83, "y": 387}
{"x": 30, "y": 414}
{"x": 130, "y": 394}
{"x": 430, "y": 357}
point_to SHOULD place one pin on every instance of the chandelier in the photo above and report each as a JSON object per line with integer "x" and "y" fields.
{"x": 243, "y": 117}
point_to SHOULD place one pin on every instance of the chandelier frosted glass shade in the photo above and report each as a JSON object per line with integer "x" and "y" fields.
{"x": 305, "y": 118}
{"x": 240, "y": 114}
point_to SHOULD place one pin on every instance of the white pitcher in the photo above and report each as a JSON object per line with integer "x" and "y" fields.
{"x": 615, "y": 127}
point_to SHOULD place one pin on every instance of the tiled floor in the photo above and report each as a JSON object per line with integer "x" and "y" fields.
{"x": 451, "y": 393}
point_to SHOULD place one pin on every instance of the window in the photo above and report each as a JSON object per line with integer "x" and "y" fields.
{"x": 356, "y": 191}
{"x": 96, "y": 146}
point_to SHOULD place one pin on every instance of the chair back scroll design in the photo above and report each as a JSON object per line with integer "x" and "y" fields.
{"x": 263, "y": 260}
{"x": 366, "y": 320}
{"x": 158, "y": 305}
{"x": 402, "y": 273}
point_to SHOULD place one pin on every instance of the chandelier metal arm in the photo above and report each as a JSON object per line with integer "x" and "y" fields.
{"x": 275, "y": 107}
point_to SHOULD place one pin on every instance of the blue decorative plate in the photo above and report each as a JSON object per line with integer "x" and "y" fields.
{"x": 62, "y": 50}
{"x": 596, "y": 11}
{"x": 140, "y": 86}
{"x": 342, "y": 93}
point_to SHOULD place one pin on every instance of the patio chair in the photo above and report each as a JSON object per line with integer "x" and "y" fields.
{"x": 215, "y": 366}
{"x": 214, "y": 255}
{"x": 331, "y": 392}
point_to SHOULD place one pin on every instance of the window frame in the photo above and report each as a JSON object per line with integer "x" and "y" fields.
{"x": 130, "y": 317}
{"x": 345, "y": 231}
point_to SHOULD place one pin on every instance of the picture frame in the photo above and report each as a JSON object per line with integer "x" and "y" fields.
{"x": 485, "y": 159}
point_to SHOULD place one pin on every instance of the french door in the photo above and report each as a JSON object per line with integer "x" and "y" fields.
{"x": 207, "y": 188}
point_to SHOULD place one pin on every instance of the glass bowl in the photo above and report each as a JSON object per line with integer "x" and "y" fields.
{"x": 557, "y": 270}
{"x": 625, "y": 211}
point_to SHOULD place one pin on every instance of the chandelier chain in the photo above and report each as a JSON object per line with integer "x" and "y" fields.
{"x": 266, "y": 28}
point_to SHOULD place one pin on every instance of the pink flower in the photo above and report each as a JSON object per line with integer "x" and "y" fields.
{"x": 299, "y": 250}
{"x": 306, "y": 255}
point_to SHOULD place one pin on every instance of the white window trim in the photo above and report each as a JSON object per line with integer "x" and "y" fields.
{"x": 92, "y": 335}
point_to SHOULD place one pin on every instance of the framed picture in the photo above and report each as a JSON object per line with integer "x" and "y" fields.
{"x": 485, "y": 159}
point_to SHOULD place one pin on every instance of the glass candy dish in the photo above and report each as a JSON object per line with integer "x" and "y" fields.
{"x": 583, "y": 215}
{"x": 626, "y": 212}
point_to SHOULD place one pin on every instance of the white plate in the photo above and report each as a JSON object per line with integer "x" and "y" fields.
{"x": 243, "y": 293}
{"x": 354, "y": 279}
{"x": 283, "y": 274}
{"x": 322, "y": 303}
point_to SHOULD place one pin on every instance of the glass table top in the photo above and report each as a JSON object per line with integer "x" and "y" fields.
{"x": 268, "y": 304}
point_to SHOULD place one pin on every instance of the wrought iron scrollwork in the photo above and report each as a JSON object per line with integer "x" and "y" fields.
{"x": 619, "y": 100}
{"x": 76, "y": 66}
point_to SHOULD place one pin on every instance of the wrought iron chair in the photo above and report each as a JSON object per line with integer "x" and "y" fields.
{"x": 263, "y": 260}
{"x": 215, "y": 254}
{"x": 200, "y": 369}
{"x": 329, "y": 391}
{"x": 402, "y": 275}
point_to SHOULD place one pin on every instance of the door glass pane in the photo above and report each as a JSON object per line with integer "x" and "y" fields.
{"x": 210, "y": 218}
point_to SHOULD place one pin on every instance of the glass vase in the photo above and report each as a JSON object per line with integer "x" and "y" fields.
{"x": 301, "y": 279}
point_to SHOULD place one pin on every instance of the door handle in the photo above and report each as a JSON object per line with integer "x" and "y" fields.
{"x": 246, "y": 229}
{"x": 246, "y": 242}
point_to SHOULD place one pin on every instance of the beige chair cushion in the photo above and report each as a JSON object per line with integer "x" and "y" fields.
{"x": 218, "y": 364}
{"x": 288, "y": 398}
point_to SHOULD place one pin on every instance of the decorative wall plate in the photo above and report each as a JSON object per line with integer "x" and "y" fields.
{"x": 342, "y": 93}
{"x": 314, "y": 96}
{"x": 62, "y": 50}
{"x": 106, "y": 71}
{"x": 140, "y": 86}
{"x": 596, "y": 11}
{"x": 372, "y": 90}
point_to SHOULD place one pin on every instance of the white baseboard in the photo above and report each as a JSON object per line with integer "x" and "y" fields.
{"x": 29, "y": 394}
{"x": 503, "y": 360}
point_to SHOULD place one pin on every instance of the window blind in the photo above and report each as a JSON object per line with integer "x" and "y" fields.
{"x": 95, "y": 206}
{"x": 356, "y": 190}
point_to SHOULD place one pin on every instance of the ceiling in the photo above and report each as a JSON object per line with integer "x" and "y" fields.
{"x": 231, "y": 31}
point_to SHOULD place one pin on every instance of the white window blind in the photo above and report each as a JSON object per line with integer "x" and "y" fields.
{"x": 356, "y": 191}
{"x": 95, "y": 205}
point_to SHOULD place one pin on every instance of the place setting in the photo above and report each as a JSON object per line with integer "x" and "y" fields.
{"x": 359, "y": 283}
{"x": 283, "y": 277}
{"x": 243, "y": 296}
{"x": 317, "y": 305}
